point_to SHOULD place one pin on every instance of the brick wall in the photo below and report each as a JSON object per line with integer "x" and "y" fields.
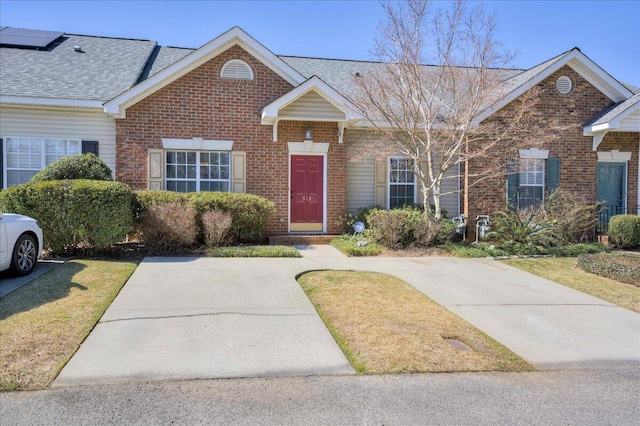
{"x": 578, "y": 161}
{"x": 201, "y": 104}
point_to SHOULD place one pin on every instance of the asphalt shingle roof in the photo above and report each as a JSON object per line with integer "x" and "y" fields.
{"x": 616, "y": 110}
{"x": 105, "y": 68}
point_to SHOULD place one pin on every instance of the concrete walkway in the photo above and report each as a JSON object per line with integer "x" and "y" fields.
{"x": 185, "y": 318}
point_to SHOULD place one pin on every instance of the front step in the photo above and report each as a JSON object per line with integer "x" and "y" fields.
{"x": 294, "y": 240}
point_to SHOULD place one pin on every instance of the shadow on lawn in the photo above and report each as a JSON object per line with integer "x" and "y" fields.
{"x": 52, "y": 286}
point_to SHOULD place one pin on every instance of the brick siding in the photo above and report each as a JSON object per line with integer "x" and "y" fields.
{"x": 578, "y": 162}
{"x": 201, "y": 104}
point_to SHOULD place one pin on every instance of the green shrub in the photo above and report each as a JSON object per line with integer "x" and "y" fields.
{"x": 142, "y": 200}
{"x": 73, "y": 214}
{"x": 169, "y": 226}
{"x": 249, "y": 213}
{"x": 522, "y": 228}
{"x": 356, "y": 246}
{"x": 400, "y": 228}
{"x": 620, "y": 267}
{"x": 82, "y": 166}
{"x": 573, "y": 250}
{"x": 624, "y": 231}
{"x": 474, "y": 250}
{"x": 349, "y": 219}
{"x": 574, "y": 219}
{"x": 255, "y": 251}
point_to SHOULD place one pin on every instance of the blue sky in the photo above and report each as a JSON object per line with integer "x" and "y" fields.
{"x": 606, "y": 31}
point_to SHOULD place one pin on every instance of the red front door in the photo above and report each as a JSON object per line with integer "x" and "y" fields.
{"x": 307, "y": 182}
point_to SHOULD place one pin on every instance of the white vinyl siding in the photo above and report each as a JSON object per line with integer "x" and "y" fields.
{"x": 311, "y": 106}
{"x": 361, "y": 174}
{"x": 62, "y": 123}
{"x": 361, "y": 177}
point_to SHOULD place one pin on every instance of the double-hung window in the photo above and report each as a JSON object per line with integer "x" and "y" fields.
{"x": 402, "y": 182}
{"x": 27, "y": 156}
{"x": 531, "y": 178}
{"x": 531, "y": 185}
{"x": 195, "y": 171}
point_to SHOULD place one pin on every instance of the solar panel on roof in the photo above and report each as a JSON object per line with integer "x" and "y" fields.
{"x": 22, "y": 37}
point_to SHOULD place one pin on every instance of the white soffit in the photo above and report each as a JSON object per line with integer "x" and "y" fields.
{"x": 233, "y": 37}
{"x": 271, "y": 113}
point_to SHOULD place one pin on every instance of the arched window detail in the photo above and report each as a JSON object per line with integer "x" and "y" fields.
{"x": 236, "y": 69}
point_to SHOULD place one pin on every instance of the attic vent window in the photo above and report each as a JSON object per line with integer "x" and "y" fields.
{"x": 236, "y": 69}
{"x": 563, "y": 85}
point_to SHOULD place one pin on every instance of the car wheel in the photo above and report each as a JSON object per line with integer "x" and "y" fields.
{"x": 25, "y": 255}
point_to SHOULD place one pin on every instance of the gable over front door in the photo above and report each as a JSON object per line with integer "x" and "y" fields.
{"x": 307, "y": 193}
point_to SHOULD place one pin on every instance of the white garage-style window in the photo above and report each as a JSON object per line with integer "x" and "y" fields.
{"x": 195, "y": 171}
{"x": 27, "y": 156}
{"x": 402, "y": 182}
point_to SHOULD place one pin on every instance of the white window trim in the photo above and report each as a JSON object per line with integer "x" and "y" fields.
{"x": 43, "y": 164}
{"x": 415, "y": 181}
{"x": 196, "y": 144}
{"x": 544, "y": 177}
{"x": 533, "y": 154}
{"x": 614, "y": 156}
{"x": 197, "y": 178}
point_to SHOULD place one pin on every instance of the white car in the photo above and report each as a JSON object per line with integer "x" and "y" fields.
{"x": 20, "y": 243}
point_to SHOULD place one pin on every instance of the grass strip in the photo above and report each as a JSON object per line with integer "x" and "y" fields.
{"x": 254, "y": 251}
{"x": 43, "y": 323}
{"x": 565, "y": 271}
{"x": 384, "y": 325}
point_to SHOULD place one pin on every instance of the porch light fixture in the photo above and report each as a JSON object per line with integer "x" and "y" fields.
{"x": 308, "y": 135}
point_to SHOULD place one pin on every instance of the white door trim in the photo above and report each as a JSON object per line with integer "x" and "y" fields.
{"x": 312, "y": 152}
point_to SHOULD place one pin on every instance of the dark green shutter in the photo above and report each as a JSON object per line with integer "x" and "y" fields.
{"x": 90, "y": 147}
{"x": 1, "y": 165}
{"x": 553, "y": 175}
{"x": 513, "y": 180}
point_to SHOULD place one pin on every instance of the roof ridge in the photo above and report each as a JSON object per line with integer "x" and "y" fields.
{"x": 382, "y": 62}
{"x": 109, "y": 37}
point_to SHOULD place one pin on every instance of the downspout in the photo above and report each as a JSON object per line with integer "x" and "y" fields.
{"x": 638, "y": 187}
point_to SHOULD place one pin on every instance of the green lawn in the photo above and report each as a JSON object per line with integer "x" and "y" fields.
{"x": 43, "y": 323}
{"x": 384, "y": 325}
{"x": 565, "y": 271}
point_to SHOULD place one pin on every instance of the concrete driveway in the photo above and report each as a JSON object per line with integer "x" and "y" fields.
{"x": 186, "y": 318}
{"x": 193, "y": 318}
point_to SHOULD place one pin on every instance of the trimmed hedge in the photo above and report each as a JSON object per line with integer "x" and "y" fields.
{"x": 624, "y": 231}
{"x": 620, "y": 267}
{"x": 73, "y": 214}
{"x": 82, "y": 166}
{"x": 249, "y": 213}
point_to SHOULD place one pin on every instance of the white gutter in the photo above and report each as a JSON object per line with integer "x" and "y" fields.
{"x": 61, "y": 102}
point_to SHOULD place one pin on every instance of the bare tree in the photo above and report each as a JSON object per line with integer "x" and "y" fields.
{"x": 428, "y": 113}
